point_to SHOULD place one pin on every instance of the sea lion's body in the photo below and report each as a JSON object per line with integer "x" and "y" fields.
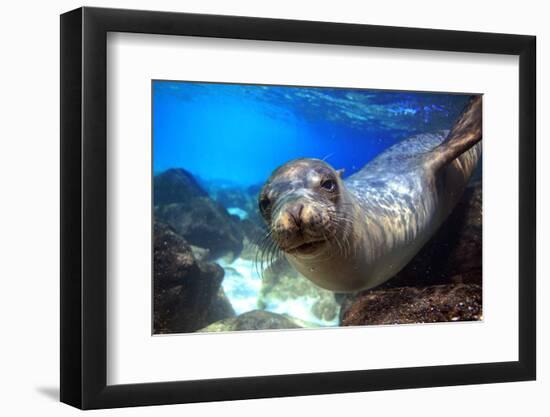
{"x": 370, "y": 225}
{"x": 401, "y": 204}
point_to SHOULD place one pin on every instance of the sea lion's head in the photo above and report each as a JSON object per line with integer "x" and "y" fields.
{"x": 302, "y": 203}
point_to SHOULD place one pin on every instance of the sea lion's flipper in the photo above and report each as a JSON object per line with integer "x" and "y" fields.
{"x": 465, "y": 133}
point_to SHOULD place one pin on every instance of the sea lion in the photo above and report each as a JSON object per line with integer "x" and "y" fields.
{"x": 352, "y": 234}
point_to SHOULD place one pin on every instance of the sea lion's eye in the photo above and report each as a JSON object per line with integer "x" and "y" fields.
{"x": 264, "y": 204}
{"x": 328, "y": 185}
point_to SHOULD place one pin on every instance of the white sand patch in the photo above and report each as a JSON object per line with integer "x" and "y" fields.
{"x": 242, "y": 285}
{"x": 300, "y": 308}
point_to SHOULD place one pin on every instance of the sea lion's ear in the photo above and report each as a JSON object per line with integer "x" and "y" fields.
{"x": 340, "y": 172}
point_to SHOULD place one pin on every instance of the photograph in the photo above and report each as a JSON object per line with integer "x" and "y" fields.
{"x": 280, "y": 207}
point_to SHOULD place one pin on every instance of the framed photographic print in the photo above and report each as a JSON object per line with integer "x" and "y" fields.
{"x": 259, "y": 207}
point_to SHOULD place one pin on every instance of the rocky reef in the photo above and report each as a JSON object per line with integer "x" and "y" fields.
{"x": 200, "y": 226}
{"x": 437, "y": 303}
{"x": 187, "y": 292}
{"x": 254, "y": 320}
{"x": 181, "y": 203}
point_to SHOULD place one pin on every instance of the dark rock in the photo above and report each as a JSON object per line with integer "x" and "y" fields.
{"x": 454, "y": 253}
{"x": 440, "y": 303}
{"x": 220, "y": 308}
{"x": 202, "y": 223}
{"x": 199, "y": 253}
{"x": 181, "y": 203}
{"x": 253, "y": 320}
{"x": 176, "y": 186}
{"x": 186, "y": 291}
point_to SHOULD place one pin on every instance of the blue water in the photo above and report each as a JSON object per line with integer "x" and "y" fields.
{"x": 240, "y": 133}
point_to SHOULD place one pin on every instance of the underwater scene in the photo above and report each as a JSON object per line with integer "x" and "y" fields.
{"x": 287, "y": 207}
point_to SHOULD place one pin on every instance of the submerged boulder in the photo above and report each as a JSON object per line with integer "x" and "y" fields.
{"x": 181, "y": 203}
{"x": 254, "y": 320}
{"x": 176, "y": 186}
{"x": 220, "y": 308}
{"x": 439, "y": 303}
{"x": 187, "y": 292}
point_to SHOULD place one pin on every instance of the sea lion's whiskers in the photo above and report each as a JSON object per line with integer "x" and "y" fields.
{"x": 263, "y": 255}
{"x": 273, "y": 254}
{"x": 262, "y": 240}
{"x": 273, "y": 251}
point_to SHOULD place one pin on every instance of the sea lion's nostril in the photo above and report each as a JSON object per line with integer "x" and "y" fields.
{"x": 295, "y": 212}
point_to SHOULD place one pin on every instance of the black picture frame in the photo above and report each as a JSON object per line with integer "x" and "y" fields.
{"x": 84, "y": 207}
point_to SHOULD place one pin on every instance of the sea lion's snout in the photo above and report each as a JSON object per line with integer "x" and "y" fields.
{"x": 299, "y": 203}
{"x": 298, "y": 227}
{"x": 295, "y": 213}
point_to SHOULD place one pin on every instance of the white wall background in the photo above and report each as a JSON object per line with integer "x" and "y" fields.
{"x": 29, "y": 225}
